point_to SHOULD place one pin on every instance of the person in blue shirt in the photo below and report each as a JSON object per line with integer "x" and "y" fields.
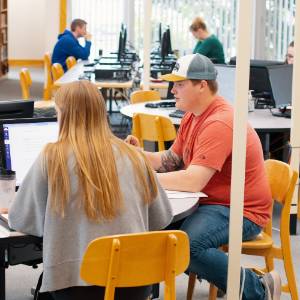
{"x": 68, "y": 45}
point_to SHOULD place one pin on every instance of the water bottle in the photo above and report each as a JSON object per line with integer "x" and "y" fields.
{"x": 251, "y": 101}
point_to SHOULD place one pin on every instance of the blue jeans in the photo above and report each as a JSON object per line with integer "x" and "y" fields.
{"x": 208, "y": 229}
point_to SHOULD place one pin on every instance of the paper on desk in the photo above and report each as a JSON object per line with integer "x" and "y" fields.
{"x": 4, "y": 217}
{"x": 181, "y": 195}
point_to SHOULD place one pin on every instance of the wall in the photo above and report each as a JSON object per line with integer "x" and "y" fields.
{"x": 33, "y": 26}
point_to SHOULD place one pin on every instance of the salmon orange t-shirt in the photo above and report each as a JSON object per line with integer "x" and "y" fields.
{"x": 206, "y": 140}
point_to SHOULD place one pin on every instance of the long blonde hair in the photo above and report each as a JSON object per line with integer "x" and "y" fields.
{"x": 84, "y": 131}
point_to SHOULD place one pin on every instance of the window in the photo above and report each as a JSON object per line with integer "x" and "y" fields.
{"x": 280, "y": 27}
{"x": 220, "y": 16}
{"x": 104, "y": 20}
{"x": 105, "y": 17}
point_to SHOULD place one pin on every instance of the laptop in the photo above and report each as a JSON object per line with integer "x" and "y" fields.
{"x": 22, "y": 140}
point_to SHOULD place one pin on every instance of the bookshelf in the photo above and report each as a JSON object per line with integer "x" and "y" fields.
{"x": 3, "y": 38}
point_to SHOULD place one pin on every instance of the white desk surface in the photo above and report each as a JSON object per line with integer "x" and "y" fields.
{"x": 156, "y": 85}
{"x": 260, "y": 119}
{"x": 77, "y": 70}
{"x": 181, "y": 208}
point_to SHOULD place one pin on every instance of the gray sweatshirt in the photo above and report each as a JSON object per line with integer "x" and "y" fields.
{"x": 65, "y": 239}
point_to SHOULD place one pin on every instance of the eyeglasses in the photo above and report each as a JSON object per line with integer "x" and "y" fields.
{"x": 289, "y": 56}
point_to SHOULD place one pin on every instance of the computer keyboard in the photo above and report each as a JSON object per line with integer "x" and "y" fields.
{"x": 286, "y": 114}
{"x": 47, "y": 112}
{"x": 282, "y": 111}
{"x": 163, "y": 104}
{"x": 177, "y": 114}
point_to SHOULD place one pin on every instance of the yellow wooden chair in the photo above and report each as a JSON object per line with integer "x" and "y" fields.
{"x": 282, "y": 180}
{"x": 144, "y": 96}
{"x": 57, "y": 71}
{"x": 48, "y": 84}
{"x": 25, "y": 82}
{"x": 153, "y": 128}
{"x": 133, "y": 260}
{"x": 70, "y": 62}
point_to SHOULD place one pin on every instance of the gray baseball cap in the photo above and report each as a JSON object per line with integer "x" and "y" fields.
{"x": 192, "y": 66}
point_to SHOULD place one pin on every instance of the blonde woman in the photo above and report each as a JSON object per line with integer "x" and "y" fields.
{"x": 87, "y": 184}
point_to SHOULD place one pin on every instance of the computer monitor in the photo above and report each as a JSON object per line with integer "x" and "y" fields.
{"x": 258, "y": 62}
{"x": 169, "y": 44}
{"x": 13, "y": 109}
{"x": 124, "y": 39}
{"x": 120, "y": 46}
{"x": 159, "y": 32}
{"x": 226, "y": 82}
{"x": 281, "y": 77}
{"x": 22, "y": 140}
{"x": 170, "y": 95}
{"x": 259, "y": 82}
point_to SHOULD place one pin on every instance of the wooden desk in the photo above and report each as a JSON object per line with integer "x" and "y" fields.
{"x": 44, "y": 104}
{"x": 15, "y": 240}
{"x": 76, "y": 71}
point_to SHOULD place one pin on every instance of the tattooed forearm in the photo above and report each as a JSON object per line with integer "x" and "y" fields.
{"x": 170, "y": 162}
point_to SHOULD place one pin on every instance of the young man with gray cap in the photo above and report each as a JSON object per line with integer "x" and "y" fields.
{"x": 200, "y": 159}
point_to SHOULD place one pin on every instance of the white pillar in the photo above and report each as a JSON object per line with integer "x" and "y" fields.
{"x": 147, "y": 43}
{"x": 295, "y": 130}
{"x": 239, "y": 147}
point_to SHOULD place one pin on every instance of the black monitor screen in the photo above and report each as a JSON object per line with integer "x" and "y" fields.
{"x": 16, "y": 109}
{"x": 259, "y": 81}
{"x": 169, "y": 45}
{"x": 124, "y": 39}
{"x": 159, "y": 32}
{"x": 164, "y": 46}
{"x": 170, "y": 95}
{"x": 281, "y": 78}
{"x": 120, "y": 46}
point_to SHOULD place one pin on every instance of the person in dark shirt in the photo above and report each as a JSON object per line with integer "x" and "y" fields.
{"x": 68, "y": 45}
{"x": 208, "y": 44}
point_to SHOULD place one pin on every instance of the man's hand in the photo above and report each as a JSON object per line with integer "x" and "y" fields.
{"x": 3, "y": 210}
{"x": 132, "y": 140}
{"x": 88, "y": 36}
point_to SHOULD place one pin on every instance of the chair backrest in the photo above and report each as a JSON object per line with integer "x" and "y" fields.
{"x": 25, "y": 82}
{"x": 282, "y": 180}
{"x": 133, "y": 260}
{"x": 57, "y": 71}
{"x": 144, "y": 96}
{"x": 153, "y": 128}
{"x": 48, "y": 77}
{"x": 70, "y": 62}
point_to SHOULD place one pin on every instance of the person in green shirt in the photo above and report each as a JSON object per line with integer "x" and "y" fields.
{"x": 208, "y": 44}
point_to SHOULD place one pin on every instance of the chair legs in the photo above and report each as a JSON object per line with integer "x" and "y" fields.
{"x": 269, "y": 260}
{"x": 213, "y": 290}
{"x": 289, "y": 271}
{"x": 191, "y": 286}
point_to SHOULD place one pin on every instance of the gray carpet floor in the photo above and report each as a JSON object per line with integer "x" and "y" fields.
{"x": 21, "y": 278}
